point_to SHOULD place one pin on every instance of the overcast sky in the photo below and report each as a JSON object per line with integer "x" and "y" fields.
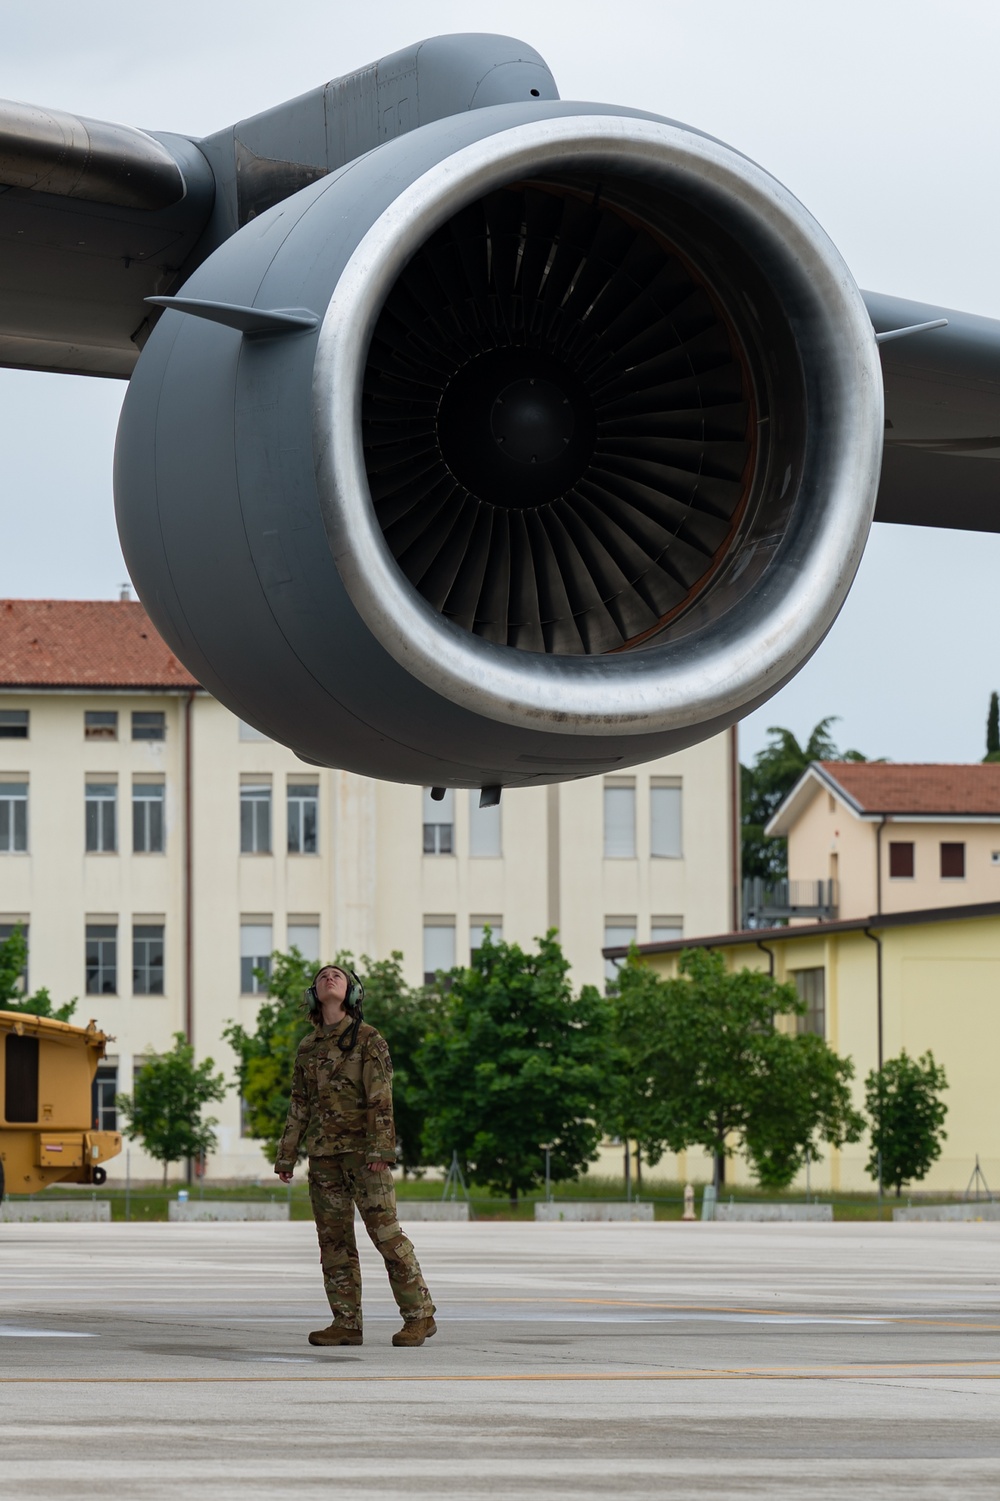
{"x": 881, "y": 116}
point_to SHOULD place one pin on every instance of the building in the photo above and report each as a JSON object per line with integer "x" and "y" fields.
{"x": 158, "y": 850}
{"x": 869, "y": 836}
{"x": 919, "y": 980}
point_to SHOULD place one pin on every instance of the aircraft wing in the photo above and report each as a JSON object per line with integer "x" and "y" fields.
{"x": 96, "y": 217}
{"x": 941, "y": 465}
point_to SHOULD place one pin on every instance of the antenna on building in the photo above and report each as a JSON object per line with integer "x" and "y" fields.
{"x": 124, "y": 592}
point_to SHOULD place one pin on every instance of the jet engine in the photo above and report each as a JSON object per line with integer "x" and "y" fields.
{"x": 541, "y": 440}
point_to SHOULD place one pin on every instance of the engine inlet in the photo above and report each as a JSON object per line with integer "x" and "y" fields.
{"x": 558, "y": 423}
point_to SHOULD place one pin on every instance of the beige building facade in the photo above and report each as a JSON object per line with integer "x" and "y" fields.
{"x": 157, "y": 850}
{"x": 894, "y": 838}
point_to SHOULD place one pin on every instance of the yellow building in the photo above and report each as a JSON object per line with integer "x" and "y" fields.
{"x": 157, "y": 849}
{"x": 877, "y": 837}
{"x": 919, "y": 980}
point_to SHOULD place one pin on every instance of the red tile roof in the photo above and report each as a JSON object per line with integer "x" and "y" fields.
{"x": 77, "y": 643}
{"x": 887, "y": 787}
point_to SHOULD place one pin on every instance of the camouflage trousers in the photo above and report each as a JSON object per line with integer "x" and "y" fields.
{"x": 336, "y": 1185}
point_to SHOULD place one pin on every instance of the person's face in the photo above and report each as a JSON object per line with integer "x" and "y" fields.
{"x": 331, "y": 985}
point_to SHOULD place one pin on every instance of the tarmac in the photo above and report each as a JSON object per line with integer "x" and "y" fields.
{"x": 617, "y": 1360}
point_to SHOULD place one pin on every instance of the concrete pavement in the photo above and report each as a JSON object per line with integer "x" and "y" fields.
{"x": 148, "y": 1361}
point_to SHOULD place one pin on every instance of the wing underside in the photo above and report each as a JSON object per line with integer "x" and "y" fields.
{"x": 95, "y": 218}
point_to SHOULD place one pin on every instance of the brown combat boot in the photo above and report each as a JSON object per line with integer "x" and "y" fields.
{"x": 337, "y": 1334}
{"x": 414, "y": 1332}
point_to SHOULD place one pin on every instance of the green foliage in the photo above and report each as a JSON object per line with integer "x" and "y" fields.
{"x": 404, "y": 1016}
{"x": 906, "y": 1118}
{"x": 993, "y": 729}
{"x": 633, "y": 1107}
{"x": 803, "y": 1098}
{"x": 13, "y": 957}
{"x": 164, "y": 1111}
{"x": 703, "y": 1065}
{"x": 766, "y": 784}
{"x": 265, "y": 1057}
{"x": 514, "y": 1063}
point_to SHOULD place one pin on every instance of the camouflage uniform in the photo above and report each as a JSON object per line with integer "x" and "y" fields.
{"x": 342, "y": 1104}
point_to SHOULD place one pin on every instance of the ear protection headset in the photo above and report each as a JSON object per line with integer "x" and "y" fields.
{"x": 353, "y": 1003}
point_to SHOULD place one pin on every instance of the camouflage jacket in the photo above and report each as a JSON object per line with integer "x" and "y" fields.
{"x": 341, "y": 1102}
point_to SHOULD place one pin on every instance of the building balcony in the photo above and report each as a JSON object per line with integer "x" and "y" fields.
{"x": 766, "y": 903}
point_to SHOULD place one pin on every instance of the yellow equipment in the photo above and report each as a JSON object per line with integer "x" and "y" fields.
{"x": 46, "y": 1072}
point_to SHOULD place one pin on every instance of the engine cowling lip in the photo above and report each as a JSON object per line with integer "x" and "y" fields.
{"x": 680, "y": 683}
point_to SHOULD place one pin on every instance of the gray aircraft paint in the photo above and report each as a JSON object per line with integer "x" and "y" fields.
{"x": 260, "y": 614}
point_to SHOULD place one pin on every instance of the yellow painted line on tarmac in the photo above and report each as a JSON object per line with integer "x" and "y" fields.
{"x": 914, "y": 1370}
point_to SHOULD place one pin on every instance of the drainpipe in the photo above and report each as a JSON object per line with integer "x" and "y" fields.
{"x": 770, "y": 957}
{"x": 878, "y": 987}
{"x": 736, "y": 813}
{"x": 188, "y": 871}
{"x": 878, "y": 865}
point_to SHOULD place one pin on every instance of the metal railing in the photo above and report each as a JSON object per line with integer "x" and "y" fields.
{"x": 767, "y": 902}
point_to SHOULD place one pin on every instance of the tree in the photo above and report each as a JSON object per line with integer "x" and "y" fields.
{"x": 13, "y": 960}
{"x": 632, "y": 1103}
{"x": 266, "y": 1056}
{"x": 906, "y": 1118}
{"x": 714, "y": 1072}
{"x": 516, "y": 1063}
{"x": 993, "y": 730}
{"x": 803, "y": 1098}
{"x": 164, "y": 1110}
{"x": 766, "y": 784}
{"x": 404, "y": 1015}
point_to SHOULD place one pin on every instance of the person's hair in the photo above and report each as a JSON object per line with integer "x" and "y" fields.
{"x": 311, "y": 1000}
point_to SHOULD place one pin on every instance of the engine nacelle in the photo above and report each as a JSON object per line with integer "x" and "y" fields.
{"x": 574, "y": 469}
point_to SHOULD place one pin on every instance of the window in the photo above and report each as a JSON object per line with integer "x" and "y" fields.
{"x": 102, "y": 808}
{"x": 147, "y": 818}
{"x": 619, "y": 932}
{"x": 149, "y": 724}
{"x": 811, "y": 986}
{"x": 303, "y": 816}
{"x": 484, "y": 829}
{"x": 7, "y": 930}
{"x": 147, "y": 959}
{"x": 439, "y": 825}
{"x": 952, "y": 862}
{"x": 619, "y": 821}
{"x": 900, "y": 861}
{"x": 303, "y": 934}
{"x": 663, "y": 929}
{"x": 13, "y": 724}
{"x": 665, "y": 820}
{"x": 21, "y": 1077}
{"x": 478, "y": 926}
{"x": 103, "y": 1095}
{"x": 102, "y": 959}
{"x": 255, "y": 819}
{"x": 439, "y": 946}
{"x": 255, "y": 953}
{"x": 247, "y": 732}
{"x": 100, "y": 724}
{"x": 13, "y": 818}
